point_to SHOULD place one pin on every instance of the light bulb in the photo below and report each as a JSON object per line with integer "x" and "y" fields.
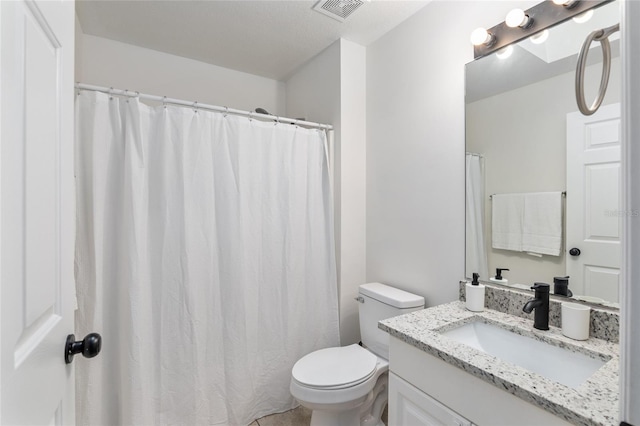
{"x": 540, "y": 37}
{"x": 583, "y": 17}
{"x": 517, "y": 18}
{"x": 505, "y": 52}
{"x": 481, "y": 36}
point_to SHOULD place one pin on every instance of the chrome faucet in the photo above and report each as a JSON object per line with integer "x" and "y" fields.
{"x": 541, "y": 304}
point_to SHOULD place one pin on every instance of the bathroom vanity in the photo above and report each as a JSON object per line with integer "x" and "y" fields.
{"x": 437, "y": 379}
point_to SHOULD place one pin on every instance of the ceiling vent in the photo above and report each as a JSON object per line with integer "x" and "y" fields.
{"x": 337, "y": 9}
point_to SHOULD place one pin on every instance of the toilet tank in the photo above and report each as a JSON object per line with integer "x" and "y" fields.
{"x": 378, "y": 302}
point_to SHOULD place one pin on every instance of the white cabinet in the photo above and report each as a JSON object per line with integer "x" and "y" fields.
{"x": 408, "y": 405}
{"x": 425, "y": 390}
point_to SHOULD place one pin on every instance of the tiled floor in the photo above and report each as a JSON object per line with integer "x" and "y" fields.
{"x": 300, "y": 416}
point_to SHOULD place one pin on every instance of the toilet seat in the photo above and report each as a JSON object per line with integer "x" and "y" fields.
{"x": 335, "y": 368}
{"x": 348, "y": 386}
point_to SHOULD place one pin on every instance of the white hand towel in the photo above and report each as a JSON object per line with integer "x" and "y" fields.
{"x": 542, "y": 229}
{"x": 507, "y": 221}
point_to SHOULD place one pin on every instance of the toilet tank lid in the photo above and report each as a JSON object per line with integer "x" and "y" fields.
{"x": 391, "y": 296}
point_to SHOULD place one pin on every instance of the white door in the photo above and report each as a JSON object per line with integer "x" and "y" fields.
{"x": 37, "y": 216}
{"x": 593, "y": 203}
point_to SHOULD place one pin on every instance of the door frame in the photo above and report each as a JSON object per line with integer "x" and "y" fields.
{"x": 630, "y": 294}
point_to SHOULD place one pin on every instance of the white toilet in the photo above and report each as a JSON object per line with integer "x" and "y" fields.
{"x": 347, "y": 386}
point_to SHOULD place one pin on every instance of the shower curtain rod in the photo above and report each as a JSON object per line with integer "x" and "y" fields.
{"x": 563, "y": 193}
{"x": 196, "y": 104}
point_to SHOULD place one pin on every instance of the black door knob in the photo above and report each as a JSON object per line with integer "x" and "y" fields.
{"x": 574, "y": 252}
{"x": 89, "y": 347}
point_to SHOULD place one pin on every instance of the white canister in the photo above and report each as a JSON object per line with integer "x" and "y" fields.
{"x": 475, "y": 297}
{"x": 575, "y": 320}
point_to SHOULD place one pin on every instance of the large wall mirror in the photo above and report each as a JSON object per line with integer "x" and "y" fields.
{"x": 526, "y": 139}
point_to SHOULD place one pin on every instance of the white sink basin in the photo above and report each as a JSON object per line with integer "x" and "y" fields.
{"x": 555, "y": 363}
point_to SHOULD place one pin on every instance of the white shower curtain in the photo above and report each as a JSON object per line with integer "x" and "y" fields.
{"x": 476, "y": 251}
{"x": 204, "y": 257}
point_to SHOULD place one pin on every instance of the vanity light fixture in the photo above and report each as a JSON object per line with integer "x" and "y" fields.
{"x": 522, "y": 24}
{"x": 480, "y": 36}
{"x": 540, "y": 37}
{"x": 518, "y": 19}
{"x": 583, "y": 17}
{"x": 566, "y": 3}
{"x": 505, "y": 52}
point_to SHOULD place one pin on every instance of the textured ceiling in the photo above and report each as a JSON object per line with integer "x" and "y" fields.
{"x": 267, "y": 38}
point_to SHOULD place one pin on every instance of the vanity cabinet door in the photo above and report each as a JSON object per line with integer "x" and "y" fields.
{"x": 410, "y": 406}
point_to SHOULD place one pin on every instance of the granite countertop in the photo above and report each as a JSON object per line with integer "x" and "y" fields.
{"x": 595, "y": 402}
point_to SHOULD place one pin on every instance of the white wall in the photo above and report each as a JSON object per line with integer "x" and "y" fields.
{"x": 79, "y": 37}
{"x": 331, "y": 89}
{"x": 415, "y": 146}
{"x": 313, "y": 91}
{"x": 110, "y": 63}
{"x": 353, "y": 182}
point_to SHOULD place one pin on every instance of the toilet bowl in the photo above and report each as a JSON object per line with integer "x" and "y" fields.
{"x": 340, "y": 384}
{"x": 347, "y": 386}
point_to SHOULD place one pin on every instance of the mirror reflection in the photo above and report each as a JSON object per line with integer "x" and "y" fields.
{"x": 543, "y": 180}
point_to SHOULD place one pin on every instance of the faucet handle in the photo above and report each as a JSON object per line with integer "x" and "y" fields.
{"x": 541, "y": 287}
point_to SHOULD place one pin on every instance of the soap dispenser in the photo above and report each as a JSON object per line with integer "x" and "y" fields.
{"x": 498, "y": 279}
{"x": 475, "y": 294}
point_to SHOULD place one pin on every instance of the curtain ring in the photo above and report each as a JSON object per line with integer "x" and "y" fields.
{"x": 226, "y": 111}
{"x": 195, "y": 107}
{"x": 111, "y": 93}
{"x": 250, "y": 115}
{"x": 277, "y": 121}
{"x": 164, "y": 102}
{"x": 601, "y": 36}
